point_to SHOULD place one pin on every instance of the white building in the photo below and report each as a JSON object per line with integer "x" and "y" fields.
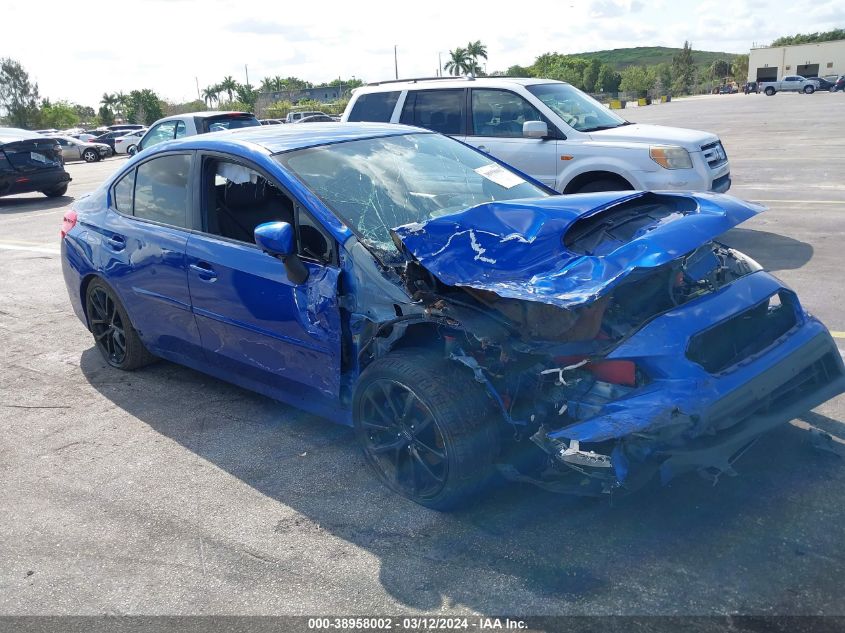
{"x": 809, "y": 60}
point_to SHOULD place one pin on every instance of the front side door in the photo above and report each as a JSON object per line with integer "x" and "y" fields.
{"x": 496, "y": 118}
{"x": 254, "y": 322}
{"x": 144, "y": 238}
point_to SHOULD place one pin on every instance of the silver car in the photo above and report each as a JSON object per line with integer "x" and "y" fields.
{"x": 74, "y": 149}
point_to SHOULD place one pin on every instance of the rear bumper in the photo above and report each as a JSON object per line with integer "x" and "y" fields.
{"x": 35, "y": 181}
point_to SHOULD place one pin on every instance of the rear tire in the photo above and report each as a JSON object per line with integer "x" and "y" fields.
{"x": 90, "y": 156}
{"x": 808, "y": 90}
{"x": 604, "y": 184}
{"x": 769, "y": 91}
{"x": 114, "y": 334}
{"x": 426, "y": 428}
{"x": 132, "y": 150}
{"x": 57, "y": 192}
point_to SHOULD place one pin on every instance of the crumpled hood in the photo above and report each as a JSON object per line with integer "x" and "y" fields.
{"x": 516, "y": 248}
{"x": 657, "y": 134}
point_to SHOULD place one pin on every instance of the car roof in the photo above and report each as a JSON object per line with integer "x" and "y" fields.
{"x": 453, "y": 82}
{"x": 283, "y": 138}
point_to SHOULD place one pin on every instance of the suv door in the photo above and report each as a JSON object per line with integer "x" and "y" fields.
{"x": 257, "y": 326}
{"x": 496, "y": 118}
{"x": 144, "y": 238}
{"x": 437, "y": 110}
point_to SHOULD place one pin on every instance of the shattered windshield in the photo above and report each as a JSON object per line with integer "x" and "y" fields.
{"x": 578, "y": 110}
{"x": 374, "y": 185}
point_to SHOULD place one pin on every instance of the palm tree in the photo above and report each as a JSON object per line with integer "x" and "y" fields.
{"x": 209, "y": 95}
{"x": 459, "y": 62}
{"x": 108, "y": 100}
{"x": 121, "y": 101}
{"x": 474, "y": 51}
{"x": 228, "y": 85}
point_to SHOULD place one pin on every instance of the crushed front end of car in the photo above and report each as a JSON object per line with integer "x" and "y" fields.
{"x": 616, "y": 337}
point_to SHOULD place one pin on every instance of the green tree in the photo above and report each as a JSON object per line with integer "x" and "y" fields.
{"x": 662, "y": 78}
{"x": 608, "y": 79}
{"x": 143, "y": 106}
{"x": 810, "y": 38}
{"x": 475, "y": 51}
{"x": 739, "y": 68}
{"x": 518, "y": 71}
{"x": 459, "y": 63}
{"x": 59, "y": 115}
{"x": 105, "y": 116}
{"x": 720, "y": 69}
{"x": 229, "y": 86}
{"x": 209, "y": 95}
{"x": 247, "y": 95}
{"x": 19, "y": 100}
{"x": 637, "y": 79}
{"x": 683, "y": 70}
{"x": 591, "y": 75}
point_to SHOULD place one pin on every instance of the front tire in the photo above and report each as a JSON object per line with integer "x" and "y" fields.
{"x": 425, "y": 428}
{"x": 808, "y": 90}
{"x": 114, "y": 334}
{"x": 90, "y": 156}
{"x": 132, "y": 150}
{"x": 57, "y": 192}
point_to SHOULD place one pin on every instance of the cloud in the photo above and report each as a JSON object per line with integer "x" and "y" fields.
{"x": 263, "y": 27}
{"x": 614, "y": 8}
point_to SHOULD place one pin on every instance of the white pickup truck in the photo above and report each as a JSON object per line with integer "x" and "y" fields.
{"x": 790, "y": 83}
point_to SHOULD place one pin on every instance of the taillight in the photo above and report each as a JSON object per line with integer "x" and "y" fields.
{"x": 68, "y": 222}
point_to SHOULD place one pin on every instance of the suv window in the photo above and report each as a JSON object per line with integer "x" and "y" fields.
{"x": 501, "y": 113}
{"x": 160, "y": 133}
{"x": 161, "y": 190}
{"x": 376, "y": 106}
{"x": 227, "y": 122}
{"x": 438, "y": 110}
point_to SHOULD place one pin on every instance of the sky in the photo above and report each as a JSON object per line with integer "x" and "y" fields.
{"x": 78, "y": 49}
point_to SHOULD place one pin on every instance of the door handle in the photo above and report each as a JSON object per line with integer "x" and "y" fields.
{"x": 117, "y": 242}
{"x": 204, "y": 271}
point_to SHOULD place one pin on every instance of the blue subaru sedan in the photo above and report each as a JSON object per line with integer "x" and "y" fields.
{"x": 464, "y": 319}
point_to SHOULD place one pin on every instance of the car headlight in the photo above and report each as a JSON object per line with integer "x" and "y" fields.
{"x": 670, "y": 156}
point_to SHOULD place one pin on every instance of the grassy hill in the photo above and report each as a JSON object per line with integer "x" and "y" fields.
{"x": 649, "y": 55}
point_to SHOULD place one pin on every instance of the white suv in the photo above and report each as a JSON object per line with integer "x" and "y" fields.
{"x": 551, "y": 131}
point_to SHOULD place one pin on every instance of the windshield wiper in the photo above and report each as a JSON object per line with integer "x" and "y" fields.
{"x": 604, "y": 127}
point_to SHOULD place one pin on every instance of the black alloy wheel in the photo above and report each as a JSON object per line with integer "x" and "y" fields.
{"x": 107, "y": 326}
{"x": 402, "y": 440}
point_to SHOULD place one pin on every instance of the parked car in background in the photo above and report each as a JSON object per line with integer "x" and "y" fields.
{"x": 128, "y": 143}
{"x": 126, "y": 126}
{"x": 790, "y": 83}
{"x": 47, "y": 131}
{"x": 31, "y": 162}
{"x": 293, "y": 117}
{"x": 462, "y": 318}
{"x": 751, "y": 87}
{"x": 90, "y": 135}
{"x": 317, "y": 118}
{"x": 109, "y": 137}
{"x": 270, "y": 121}
{"x": 90, "y": 152}
{"x": 727, "y": 89}
{"x": 551, "y": 131}
{"x": 192, "y": 123}
{"x": 839, "y": 84}
{"x": 822, "y": 83}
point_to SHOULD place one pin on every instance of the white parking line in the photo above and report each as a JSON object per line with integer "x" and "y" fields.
{"x": 29, "y": 249}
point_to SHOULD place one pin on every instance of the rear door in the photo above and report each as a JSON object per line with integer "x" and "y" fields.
{"x": 496, "y": 118}
{"x": 437, "y": 110}
{"x": 143, "y": 240}
{"x": 254, "y": 322}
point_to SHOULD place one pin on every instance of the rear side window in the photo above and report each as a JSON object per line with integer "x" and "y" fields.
{"x": 227, "y": 122}
{"x": 376, "y": 106}
{"x": 438, "y": 110}
{"x": 123, "y": 193}
{"x": 161, "y": 190}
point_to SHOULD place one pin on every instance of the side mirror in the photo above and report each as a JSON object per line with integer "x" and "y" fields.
{"x": 278, "y": 239}
{"x": 535, "y": 129}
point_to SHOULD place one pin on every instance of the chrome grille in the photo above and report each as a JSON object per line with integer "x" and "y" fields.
{"x": 714, "y": 154}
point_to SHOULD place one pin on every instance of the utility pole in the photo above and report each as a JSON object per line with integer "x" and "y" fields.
{"x": 246, "y": 72}
{"x": 199, "y": 96}
{"x": 439, "y": 65}
{"x": 395, "y": 62}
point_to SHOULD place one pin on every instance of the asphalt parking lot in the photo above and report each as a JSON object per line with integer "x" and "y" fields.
{"x": 168, "y": 492}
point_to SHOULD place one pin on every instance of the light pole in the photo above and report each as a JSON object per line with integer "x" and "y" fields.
{"x": 395, "y": 62}
{"x": 439, "y": 64}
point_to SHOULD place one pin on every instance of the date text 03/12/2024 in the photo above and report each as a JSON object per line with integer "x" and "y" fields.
{"x": 416, "y": 624}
